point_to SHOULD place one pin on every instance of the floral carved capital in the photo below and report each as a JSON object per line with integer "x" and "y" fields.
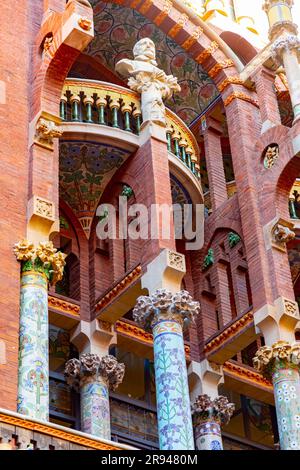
{"x": 219, "y": 410}
{"x": 44, "y": 258}
{"x": 281, "y": 354}
{"x": 106, "y": 368}
{"x": 165, "y": 305}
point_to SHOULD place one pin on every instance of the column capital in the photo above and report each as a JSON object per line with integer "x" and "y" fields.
{"x": 283, "y": 44}
{"x": 90, "y": 367}
{"x": 164, "y": 305}
{"x": 218, "y": 410}
{"x": 43, "y": 258}
{"x": 280, "y": 355}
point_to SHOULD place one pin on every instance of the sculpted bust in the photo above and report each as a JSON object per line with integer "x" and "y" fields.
{"x": 146, "y": 78}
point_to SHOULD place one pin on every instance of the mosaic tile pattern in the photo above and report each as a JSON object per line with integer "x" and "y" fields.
{"x": 33, "y": 374}
{"x": 95, "y": 415}
{"x": 172, "y": 392}
{"x": 85, "y": 168}
{"x": 117, "y": 29}
{"x": 208, "y": 436}
{"x": 287, "y": 392}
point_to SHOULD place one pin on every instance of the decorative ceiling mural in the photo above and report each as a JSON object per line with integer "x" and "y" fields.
{"x": 179, "y": 193}
{"x": 117, "y": 29}
{"x": 85, "y": 168}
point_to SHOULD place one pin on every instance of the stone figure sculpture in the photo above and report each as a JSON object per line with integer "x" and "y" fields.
{"x": 146, "y": 78}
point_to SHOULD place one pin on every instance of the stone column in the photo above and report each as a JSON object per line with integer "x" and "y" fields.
{"x": 286, "y": 51}
{"x": 94, "y": 377}
{"x": 39, "y": 266}
{"x": 208, "y": 416}
{"x": 280, "y": 363}
{"x": 165, "y": 314}
{"x": 283, "y": 33}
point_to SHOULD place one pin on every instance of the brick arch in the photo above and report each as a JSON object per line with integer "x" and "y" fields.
{"x": 200, "y": 41}
{"x": 186, "y": 28}
{"x": 243, "y": 49}
{"x": 274, "y": 184}
{"x": 224, "y": 218}
{"x": 51, "y": 67}
{"x": 285, "y": 183}
{"x": 87, "y": 301}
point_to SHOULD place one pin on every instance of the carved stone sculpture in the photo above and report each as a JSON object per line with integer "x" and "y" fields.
{"x": 146, "y": 78}
{"x": 271, "y": 156}
{"x": 46, "y": 131}
{"x": 283, "y": 234}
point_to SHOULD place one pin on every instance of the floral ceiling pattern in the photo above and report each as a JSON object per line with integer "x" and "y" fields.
{"x": 85, "y": 168}
{"x": 117, "y": 29}
{"x": 179, "y": 193}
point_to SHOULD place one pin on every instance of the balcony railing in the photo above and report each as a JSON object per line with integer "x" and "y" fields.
{"x": 19, "y": 432}
{"x": 95, "y": 102}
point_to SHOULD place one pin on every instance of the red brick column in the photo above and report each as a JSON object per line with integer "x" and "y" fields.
{"x": 214, "y": 163}
{"x": 223, "y": 303}
{"x": 268, "y": 103}
{"x": 147, "y": 172}
{"x": 244, "y": 126}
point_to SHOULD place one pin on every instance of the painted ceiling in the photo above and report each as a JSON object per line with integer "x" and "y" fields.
{"x": 179, "y": 193}
{"x": 117, "y": 29}
{"x": 85, "y": 168}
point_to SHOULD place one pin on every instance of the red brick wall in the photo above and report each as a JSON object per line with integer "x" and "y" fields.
{"x": 15, "y": 71}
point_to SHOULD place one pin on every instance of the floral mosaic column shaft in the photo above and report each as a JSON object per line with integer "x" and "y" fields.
{"x": 208, "y": 416}
{"x": 165, "y": 314}
{"x": 280, "y": 363}
{"x": 94, "y": 377}
{"x": 39, "y": 266}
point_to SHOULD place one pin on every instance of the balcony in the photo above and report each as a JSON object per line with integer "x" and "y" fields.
{"x": 18, "y": 432}
{"x": 91, "y": 102}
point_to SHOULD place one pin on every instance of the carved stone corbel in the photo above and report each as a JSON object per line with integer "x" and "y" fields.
{"x": 281, "y": 234}
{"x": 46, "y": 130}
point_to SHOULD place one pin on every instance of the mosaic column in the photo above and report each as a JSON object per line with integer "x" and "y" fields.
{"x": 165, "y": 314}
{"x": 94, "y": 377}
{"x": 38, "y": 267}
{"x": 208, "y": 416}
{"x": 280, "y": 363}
